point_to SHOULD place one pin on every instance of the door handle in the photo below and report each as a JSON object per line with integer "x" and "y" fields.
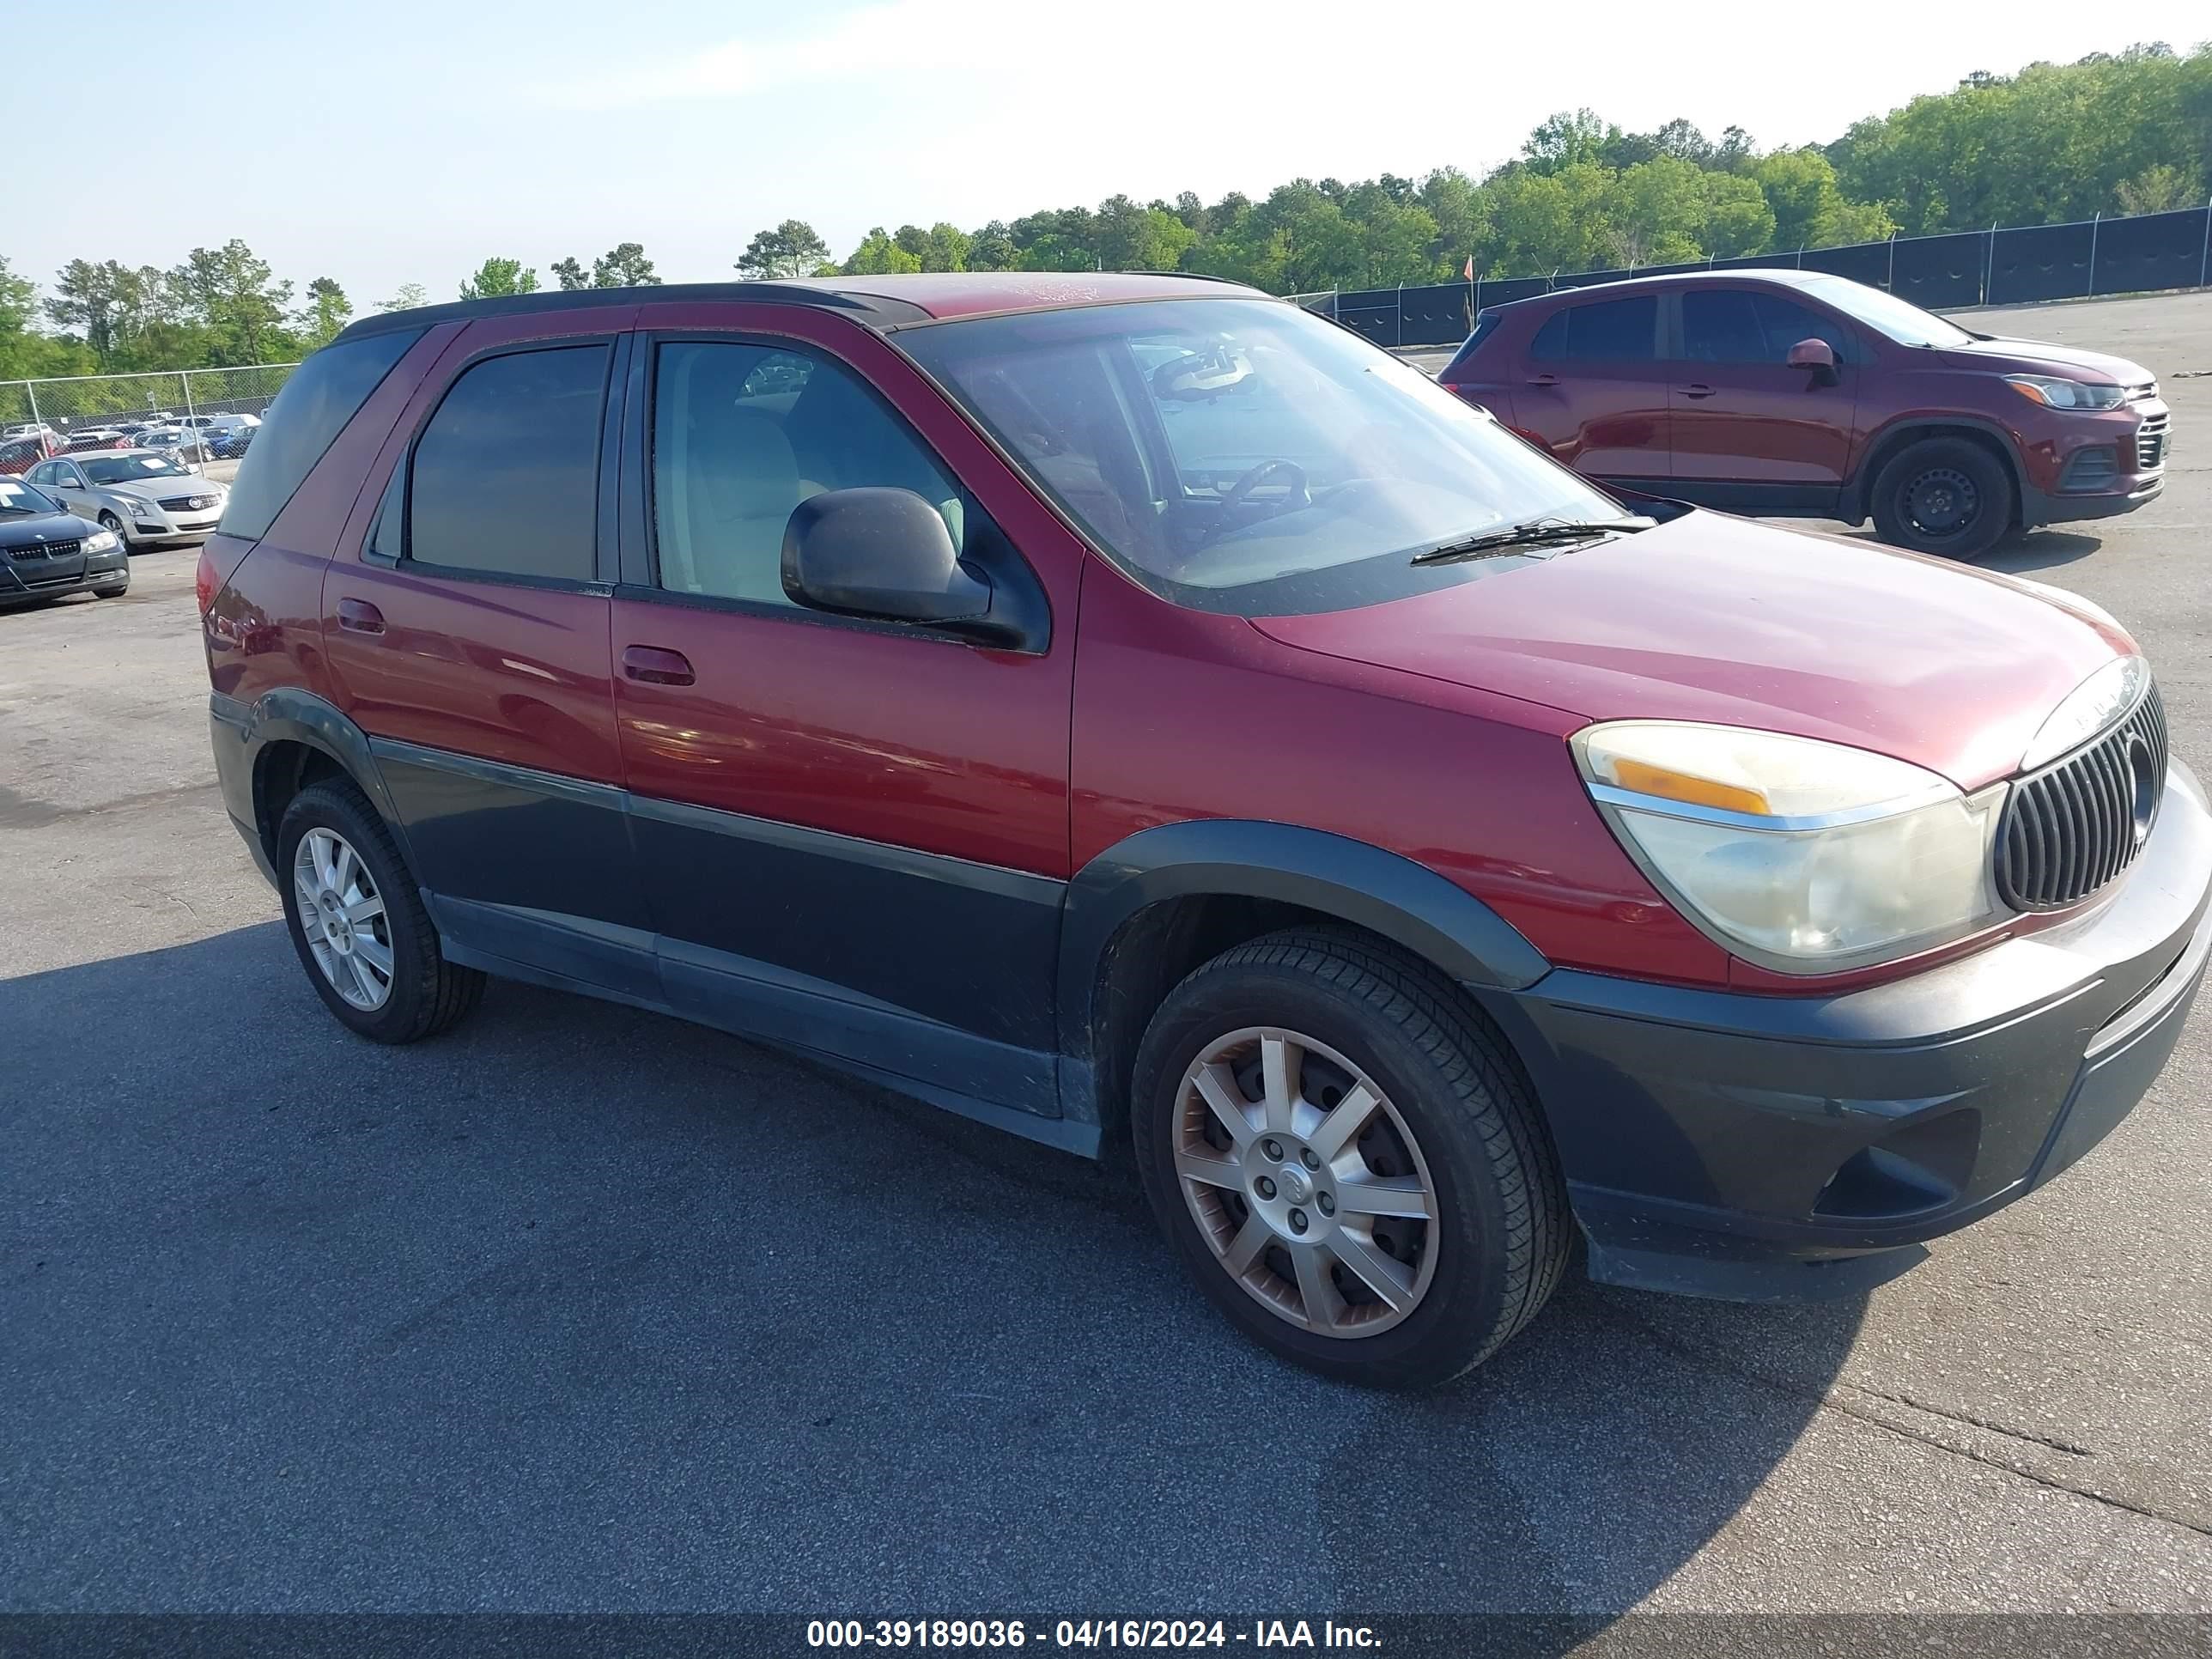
{"x": 657, "y": 666}
{"x": 1543, "y": 380}
{"x": 359, "y": 617}
{"x": 1700, "y": 390}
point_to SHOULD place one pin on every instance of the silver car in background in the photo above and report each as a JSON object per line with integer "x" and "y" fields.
{"x": 142, "y": 494}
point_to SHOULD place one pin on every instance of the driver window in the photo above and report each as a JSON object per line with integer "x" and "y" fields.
{"x": 741, "y": 435}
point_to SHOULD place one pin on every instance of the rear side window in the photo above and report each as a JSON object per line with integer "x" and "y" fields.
{"x": 1616, "y": 331}
{"x": 506, "y": 477}
{"x": 323, "y": 393}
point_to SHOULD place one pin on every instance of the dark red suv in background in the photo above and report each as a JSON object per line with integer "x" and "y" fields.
{"x": 1137, "y": 713}
{"x": 1790, "y": 393}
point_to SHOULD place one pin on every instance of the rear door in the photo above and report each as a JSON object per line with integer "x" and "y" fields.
{"x": 466, "y": 633}
{"x": 1595, "y": 391}
{"x": 1742, "y": 416}
{"x": 853, "y": 835}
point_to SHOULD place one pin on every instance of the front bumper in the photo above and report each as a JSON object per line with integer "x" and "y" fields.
{"x": 30, "y": 582}
{"x": 155, "y": 523}
{"x": 1763, "y": 1148}
{"x": 2129, "y": 446}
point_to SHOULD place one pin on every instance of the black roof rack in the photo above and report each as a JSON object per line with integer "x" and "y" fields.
{"x": 420, "y": 317}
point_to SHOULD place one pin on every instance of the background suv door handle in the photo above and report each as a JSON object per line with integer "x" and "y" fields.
{"x": 656, "y": 666}
{"x": 1699, "y": 390}
{"x": 359, "y": 617}
{"x": 1543, "y": 380}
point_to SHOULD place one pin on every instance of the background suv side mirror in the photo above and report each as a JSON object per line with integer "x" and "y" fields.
{"x": 880, "y": 553}
{"x": 1818, "y": 357}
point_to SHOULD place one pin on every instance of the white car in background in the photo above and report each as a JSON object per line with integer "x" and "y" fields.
{"x": 142, "y": 494}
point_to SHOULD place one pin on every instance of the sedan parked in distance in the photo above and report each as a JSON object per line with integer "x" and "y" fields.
{"x": 186, "y": 443}
{"x": 141, "y": 495}
{"x": 96, "y": 437}
{"x": 46, "y": 552}
{"x": 1792, "y": 393}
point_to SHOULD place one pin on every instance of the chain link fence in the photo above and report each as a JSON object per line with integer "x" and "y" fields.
{"x": 72, "y": 409}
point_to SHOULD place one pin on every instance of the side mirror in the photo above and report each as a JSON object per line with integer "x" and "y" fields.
{"x": 880, "y": 553}
{"x": 1817, "y": 356}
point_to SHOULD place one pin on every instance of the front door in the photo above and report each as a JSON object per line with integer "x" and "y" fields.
{"x": 853, "y": 835}
{"x": 1743, "y": 417}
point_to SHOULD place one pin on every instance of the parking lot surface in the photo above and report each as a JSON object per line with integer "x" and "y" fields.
{"x": 580, "y": 1308}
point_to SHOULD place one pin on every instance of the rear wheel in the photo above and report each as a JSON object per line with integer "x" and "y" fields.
{"x": 1948, "y": 496}
{"x": 1344, "y": 1156}
{"x": 358, "y": 923}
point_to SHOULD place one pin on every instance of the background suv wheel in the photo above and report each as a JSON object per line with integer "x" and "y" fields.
{"x": 1947, "y": 496}
{"x": 1345, "y": 1157}
{"x": 357, "y": 920}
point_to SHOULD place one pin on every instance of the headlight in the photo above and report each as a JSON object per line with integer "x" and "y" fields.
{"x": 142, "y": 509}
{"x": 2087, "y": 709}
{"x": 1802, "y": 856}
{"x": 101, "y": 541}
{"x": 2065, "y": 394}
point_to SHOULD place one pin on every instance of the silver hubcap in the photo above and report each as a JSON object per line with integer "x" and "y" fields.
{"x": 1306, "y": 1182}
{"x": 342, "y": 914}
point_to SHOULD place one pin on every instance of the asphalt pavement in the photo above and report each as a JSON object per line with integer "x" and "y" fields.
{"x": 578, "y": 1308}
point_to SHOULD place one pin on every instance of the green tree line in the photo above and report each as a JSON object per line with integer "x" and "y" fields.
{"x": 220, "y": 308}
{"x": 2126, "y": 133}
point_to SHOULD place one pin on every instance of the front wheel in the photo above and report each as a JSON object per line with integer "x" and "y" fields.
{"x": 1343, "y": 1155}
{"x": 113, "y": 525}
{"x": 358, "y": 921}
{"x": 1947, "y": 496}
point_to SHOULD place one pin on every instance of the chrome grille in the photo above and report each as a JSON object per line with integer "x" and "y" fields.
{"x": 44, "y": 551}
{"x": 2075, "y": 825}
{"x": 2150, "y": 442}
{"x": 188, "y": 503}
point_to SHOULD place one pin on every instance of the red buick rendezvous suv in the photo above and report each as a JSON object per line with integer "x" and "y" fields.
{"x": 1136, "y": 713}
{"x": 1795, "y": 394}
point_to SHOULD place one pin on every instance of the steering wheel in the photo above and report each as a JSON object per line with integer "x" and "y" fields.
{"x": 1238, "y": 492}
{"x": 1234, "y": 496}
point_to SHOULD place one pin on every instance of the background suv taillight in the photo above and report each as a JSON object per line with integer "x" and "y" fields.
{"x": 206, "y": 583}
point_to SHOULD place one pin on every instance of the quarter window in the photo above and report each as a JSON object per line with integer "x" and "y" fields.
{"x": 1614, "y": 331}
{"x": 741, "y": 435}
{"x": 506, "y": 475}
{"x": 322, "y": 394}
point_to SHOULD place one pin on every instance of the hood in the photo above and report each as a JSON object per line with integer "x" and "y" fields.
{"x": 2039, "y": 357}
{"x": 1710, "y": 617}
{"x": 46, "y": 527}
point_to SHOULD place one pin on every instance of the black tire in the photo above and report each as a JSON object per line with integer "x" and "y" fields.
{"x": 1945, "y": 496}
{"x": 1501, "y": 1237}
{"x": 427, "y": 993}
{"x": 114, "y": 592}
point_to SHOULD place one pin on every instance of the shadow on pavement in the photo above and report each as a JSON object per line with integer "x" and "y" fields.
{"x": 579, "y": 1308}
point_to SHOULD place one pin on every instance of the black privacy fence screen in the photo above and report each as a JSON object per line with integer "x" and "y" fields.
{"x": 2004, "y": 265}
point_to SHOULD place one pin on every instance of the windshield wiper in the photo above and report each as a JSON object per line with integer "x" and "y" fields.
{"x": 1537, "y": 533}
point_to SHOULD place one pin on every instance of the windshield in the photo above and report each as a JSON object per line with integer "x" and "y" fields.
{"x": 18, "y": 497}
{"x": 1241, "y": 452}
{"x": 1902, "y": 321}
{"x": 123, "y": 469}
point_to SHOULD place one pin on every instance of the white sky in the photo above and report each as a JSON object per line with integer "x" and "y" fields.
{"x": 409, "y": 140}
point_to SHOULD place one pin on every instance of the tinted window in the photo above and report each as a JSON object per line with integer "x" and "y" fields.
{"x": 323, "y": 393}
{"x": 742, "y": 434}
{"x": 1737, "y": 326}
{"x": 507, "y": 475}
{"x": 1785, "y": 322}
{"x": 1614, "y": 329}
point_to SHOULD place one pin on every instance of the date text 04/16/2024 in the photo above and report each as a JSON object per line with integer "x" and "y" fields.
{"x": 1084, "y": 1633}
